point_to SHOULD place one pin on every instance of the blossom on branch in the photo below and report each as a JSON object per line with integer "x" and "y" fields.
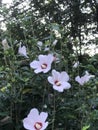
{"x": 59, "y": 80}
{"x": 5, "y": 44}
{"x": 55, "y": 42}
{"x": 84, "y": 79}
{"x": 22, "y": 51}
{"x": 76, "y": 64}
{"x": 44, "y": 63}
{"x": 35, "y": 121}
{"x": 39, "y": 44}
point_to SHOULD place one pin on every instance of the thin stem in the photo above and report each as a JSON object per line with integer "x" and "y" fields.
{"x": 53, "y": 112}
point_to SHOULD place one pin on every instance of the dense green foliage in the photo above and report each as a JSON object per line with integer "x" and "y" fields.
{"x": 21, "y": 89}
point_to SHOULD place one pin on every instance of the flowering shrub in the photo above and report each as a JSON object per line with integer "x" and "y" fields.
{"x": 28, "y": 82}
{"x": 40, "y": 86}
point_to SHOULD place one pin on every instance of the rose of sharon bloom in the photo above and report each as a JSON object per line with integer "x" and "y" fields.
{"x": 5, "y": 44}
{"x": 22, "y": 51}
{"x": 44, "y": 63}
{"x": 55, "y": 42}
{"x": 39, "y": 44}
{"x": 35, "y": 121}
{"x": 76, "y": 64}
{"x": 59, "y": 80}
{"x": 84, "y": 79}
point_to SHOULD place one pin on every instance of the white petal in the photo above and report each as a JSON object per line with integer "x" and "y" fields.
{"x": 50, "y": 58}
{"x": 66, "y": 85}
{"x": 34, "y": 114}
{"x": 34, "y": 64}
{"x": 64, "y": 76}
{"x": 46, "y": 49}
{"x": 47, "y": 69}
{"x": 91, "y": 76}
{"x": 44, "y": 126}
{"x": 85, "y": 78}
{"x": 28, "y": 124}
{"x": 76, "y": 64}
{"x": 50, "y": 80}
{"x": 55, "y": 74}
{"x": 88, "y": 76}
{"x": 39, "y": 43}
{"x": 38, "y": 70}
{"x": 78, "y": 79}
{"x": 43, "y": 116}
{"x": 55, "y": 42}
{"x": 5, "y": 44}
{"x": 86, "y": 73}
{"x": 22, "y": 51}
{"x": 59, "y": 89}
{"x": 42, "y": 58}
{"x": 46, "y": 59}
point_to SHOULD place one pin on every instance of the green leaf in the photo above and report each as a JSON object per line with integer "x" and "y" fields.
{"x": 85, "y": 127}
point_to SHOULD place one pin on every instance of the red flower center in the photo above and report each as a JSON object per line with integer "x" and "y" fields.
{"x": 38, "y": 125}
{"x": 57, "y": 83}
{"x": 44, "y": 66}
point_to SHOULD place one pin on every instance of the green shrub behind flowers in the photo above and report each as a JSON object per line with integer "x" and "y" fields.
{"x": 21, "y": 89}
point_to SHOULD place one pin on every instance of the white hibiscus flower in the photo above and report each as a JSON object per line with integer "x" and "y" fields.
{"x": 44, "y": 63}
{"x": 76, "y": 64}
{"x": 39, "y": 44}
{"x": 55, "y": 42}
{"x": 5, "y": 44}
{"x": 84, "y": 79}
{"x": 35, "y": 121}
{"x": 59, "y": 80}
{"x": 22, "y": 51}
